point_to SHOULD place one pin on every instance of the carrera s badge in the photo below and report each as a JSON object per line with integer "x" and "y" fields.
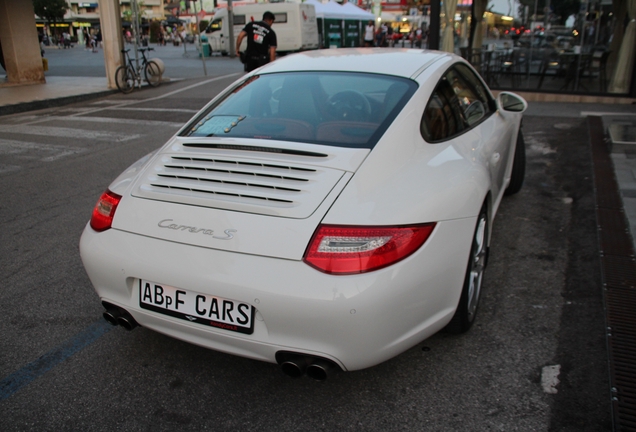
{"x": 229, "y": 233}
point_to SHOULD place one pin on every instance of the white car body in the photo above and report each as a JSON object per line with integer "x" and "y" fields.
{"x": 251, "y": 251}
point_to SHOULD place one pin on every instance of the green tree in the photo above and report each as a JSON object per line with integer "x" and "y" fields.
{"x": 50, "y": 10}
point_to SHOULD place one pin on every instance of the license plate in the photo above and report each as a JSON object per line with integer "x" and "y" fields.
{"x": 195, "y": 307}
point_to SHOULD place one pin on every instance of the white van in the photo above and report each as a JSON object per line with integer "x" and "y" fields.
{"x": 295, "y": 26}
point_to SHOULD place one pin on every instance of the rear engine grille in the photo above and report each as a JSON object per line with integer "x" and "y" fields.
{"x": 233, "y": 183}
{"x": 211, "y": 167}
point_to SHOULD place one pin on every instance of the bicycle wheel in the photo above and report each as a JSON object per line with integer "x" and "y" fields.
{"x": 125, "y": 79}
{"x": 152, "y": 73}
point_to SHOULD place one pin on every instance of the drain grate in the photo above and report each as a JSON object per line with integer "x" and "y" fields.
{"x": 619, "y": 282}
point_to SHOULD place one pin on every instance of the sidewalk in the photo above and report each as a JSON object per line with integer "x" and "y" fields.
{"x": 55, "y": 92}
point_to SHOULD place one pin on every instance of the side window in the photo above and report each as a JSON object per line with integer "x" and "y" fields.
{"x": 475, "y": 83}
{"x": 479, "y": 105}
{"x": 442, "y": 119}
{"x": 215, "y": 25}
{"x": 459, "y": 101}
{"x": 470, "y": 105}
{"x": 239, "y": 20}
{"x": 281, "y": 17}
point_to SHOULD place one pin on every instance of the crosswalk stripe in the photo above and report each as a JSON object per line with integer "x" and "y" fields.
{"x": 133, "y": 122}
{"x": 8, "y": 147}
{"x": 68, "y": 133}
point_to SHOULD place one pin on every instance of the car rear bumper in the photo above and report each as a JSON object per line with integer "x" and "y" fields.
{"x": 357, "y": 321}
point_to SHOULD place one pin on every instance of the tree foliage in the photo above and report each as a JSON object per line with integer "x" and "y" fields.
{"x": 50, "y": 10}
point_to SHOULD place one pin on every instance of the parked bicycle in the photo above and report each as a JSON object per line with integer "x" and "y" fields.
{"x": 127, "y": 76}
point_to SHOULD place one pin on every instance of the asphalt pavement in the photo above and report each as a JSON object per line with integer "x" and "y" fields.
{"x": 78, "y": 74}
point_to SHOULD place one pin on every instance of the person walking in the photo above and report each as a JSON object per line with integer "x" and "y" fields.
{"x": 369, "y": 32}
{"x": 379, "y": 37}
{"x": 261, "y": 42}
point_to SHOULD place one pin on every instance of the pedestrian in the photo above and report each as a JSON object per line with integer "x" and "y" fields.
{"x": 261, "y": 42}
{"x": 369, "y": 31}
{"x": 66, "y": 40}
{"x": 385, "y": 30}
{"x": 379, "y": 37}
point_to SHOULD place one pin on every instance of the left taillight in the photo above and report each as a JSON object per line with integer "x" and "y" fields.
{"x": 104, "y": 211}
{"x": 346, "y": 250}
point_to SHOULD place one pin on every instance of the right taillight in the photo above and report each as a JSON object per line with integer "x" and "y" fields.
{"x": 345, "y": 250}
{"x": 104, "y": 211}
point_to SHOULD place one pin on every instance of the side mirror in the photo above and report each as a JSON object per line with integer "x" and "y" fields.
{"x": 511, "y": 102}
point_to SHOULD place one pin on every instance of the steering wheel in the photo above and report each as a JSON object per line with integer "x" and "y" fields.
{"x": 349, "y": 105}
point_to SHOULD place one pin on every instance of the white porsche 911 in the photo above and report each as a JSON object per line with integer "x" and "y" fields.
{"x": 327, "y": 211}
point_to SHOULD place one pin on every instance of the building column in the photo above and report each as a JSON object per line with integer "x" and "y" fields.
{"x": 20, "y": 44}
{"x": 110, "y": 26}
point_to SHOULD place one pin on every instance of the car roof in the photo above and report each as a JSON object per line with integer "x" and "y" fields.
{"x": 402, "y": 62}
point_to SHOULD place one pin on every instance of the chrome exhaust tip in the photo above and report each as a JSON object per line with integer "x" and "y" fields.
{"x": 294, "y": 367}
{"x": 127, "y": 321}
{"x": 116, "y": 315}
{"x": 320, "y": 370}
{"x": 112, "y": 315}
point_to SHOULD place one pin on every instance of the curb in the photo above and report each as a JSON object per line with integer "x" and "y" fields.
{"x": 65, "y": 100}
{"x": 51, "y": 103}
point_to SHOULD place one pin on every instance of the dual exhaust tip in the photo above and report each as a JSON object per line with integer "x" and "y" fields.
{"x": 118, "y": 316}
{"x": 292, "y": 364}
{"x": 297, "y": 365}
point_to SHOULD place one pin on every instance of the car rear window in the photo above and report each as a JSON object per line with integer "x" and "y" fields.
{"x": 329, "y": 108}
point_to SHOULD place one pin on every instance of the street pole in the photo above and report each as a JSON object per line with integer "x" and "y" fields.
{"x": 185, "y": 51}
{"x": 529, "y": 60}
{"x": 205, "y": 70}
{"x": 434, "y": 27}
{"x": 135, "y": 27}
{"x": 230, "y": 21}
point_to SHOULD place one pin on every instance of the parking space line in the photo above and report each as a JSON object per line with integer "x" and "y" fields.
{"x": 23, "y": 377}
{"x": 136, "y": 101}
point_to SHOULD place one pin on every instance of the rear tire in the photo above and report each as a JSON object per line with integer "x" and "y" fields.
{"x": 518, "y": 167}
{"x": 471, "y": 291}
{"x": 125, "y": 79}
{"x": 152, "y": 73}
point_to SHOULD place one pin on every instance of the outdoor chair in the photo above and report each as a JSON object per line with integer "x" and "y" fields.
{"x": 551, "y": 62}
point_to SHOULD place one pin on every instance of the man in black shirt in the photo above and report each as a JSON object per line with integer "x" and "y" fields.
{"x": 261, "y": 42}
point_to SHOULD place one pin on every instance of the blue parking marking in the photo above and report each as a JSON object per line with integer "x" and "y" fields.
{"x": 23, "y": 377}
